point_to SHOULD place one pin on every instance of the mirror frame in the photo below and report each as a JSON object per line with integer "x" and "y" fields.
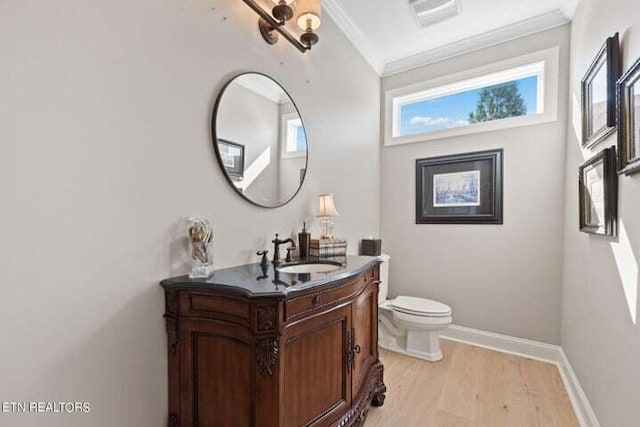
{"x": 214, "y": 140}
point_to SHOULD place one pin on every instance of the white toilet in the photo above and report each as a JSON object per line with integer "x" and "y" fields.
{"x": 410, "y": 325}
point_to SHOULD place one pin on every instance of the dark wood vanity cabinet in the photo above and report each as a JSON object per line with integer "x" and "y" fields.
{"x": 296, "y": 358}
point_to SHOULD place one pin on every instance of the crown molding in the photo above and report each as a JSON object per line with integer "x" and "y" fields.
{"x": 524, "y": 28}
{"x": 344, "y": 22}
{"x": 569, "y": 7}
{"x": 264, "y": 89}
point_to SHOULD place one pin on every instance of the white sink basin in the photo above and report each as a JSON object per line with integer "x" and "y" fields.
{"x": 308, "y": 268}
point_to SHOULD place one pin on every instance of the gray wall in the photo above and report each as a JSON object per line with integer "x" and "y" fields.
{"x": 499, "y": 278}
{"x": 105, "y": 144}
{"x": 600, "y": 331}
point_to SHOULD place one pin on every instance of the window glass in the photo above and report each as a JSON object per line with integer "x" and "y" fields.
{"x": 456, "y": 103}
{"x": 296, "y": 137}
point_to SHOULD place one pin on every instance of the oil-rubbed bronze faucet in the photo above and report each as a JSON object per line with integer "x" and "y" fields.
{"x": 276, "y": 249}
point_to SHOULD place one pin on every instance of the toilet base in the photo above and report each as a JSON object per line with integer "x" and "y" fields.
{"x": 399, "y": 345}
{"x": 423, "y": 345}
{"x": 405, "y": 335}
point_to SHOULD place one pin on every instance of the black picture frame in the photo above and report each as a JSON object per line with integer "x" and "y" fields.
{"x": 460, "y": 189}
{"x": 598, "y": 193}
{"x": 234, "y": 166}
{"x": 628, "y": 93}
{"x": 607, "y": 60}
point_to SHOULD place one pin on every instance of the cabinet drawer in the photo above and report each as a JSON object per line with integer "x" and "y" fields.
{"x": 317, "y": 300}
{"x": 215, "y": 306}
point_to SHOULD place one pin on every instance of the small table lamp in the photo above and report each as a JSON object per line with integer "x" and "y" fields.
{"x": 326, "y": 210}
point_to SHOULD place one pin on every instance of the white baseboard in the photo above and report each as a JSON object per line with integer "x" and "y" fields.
{"x": 533, "y": 350}
{"x": 504, "y": 343}
{"x": 579, "y": 401}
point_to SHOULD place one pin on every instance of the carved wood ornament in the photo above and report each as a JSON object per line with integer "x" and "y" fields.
{"x": 267, "y": 317}
{"x": 267, "y": 353}
{"x": 172, "y": 334}
{"x": 172, "y": 302}
{"x": 171, "y": 320}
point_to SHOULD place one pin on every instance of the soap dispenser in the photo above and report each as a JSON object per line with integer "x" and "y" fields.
{"x": 304, "y": 239}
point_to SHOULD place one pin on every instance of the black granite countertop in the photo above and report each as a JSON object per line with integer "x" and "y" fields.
{"x": 251, "y": 280}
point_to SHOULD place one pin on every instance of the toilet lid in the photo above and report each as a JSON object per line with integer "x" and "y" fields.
{"x": 420, "y": 306}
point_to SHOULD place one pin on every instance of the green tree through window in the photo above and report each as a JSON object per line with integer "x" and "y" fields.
{"x": 499, "y": 102}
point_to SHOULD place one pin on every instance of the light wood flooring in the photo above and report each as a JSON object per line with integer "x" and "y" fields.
{"x": 471, "y": 386}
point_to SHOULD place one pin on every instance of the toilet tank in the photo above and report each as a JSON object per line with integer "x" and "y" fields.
{"x": 383, "y": 287}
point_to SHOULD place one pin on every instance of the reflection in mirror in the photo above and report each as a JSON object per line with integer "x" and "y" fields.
{"x": 260, "y": 140}
{"x": 599, "y": 96}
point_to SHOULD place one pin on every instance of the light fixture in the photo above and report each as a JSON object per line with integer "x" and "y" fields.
{"x": 326, "y": 210}
{"x": 430, "y": 12}
{"x": 309, "y": 18}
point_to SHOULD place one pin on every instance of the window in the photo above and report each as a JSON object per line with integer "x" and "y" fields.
{"x": 493, "y": 97}
{"x": 294, "y": 139}
{"x": 507, "y": 94}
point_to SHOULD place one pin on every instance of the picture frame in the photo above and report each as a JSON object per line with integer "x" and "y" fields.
{"x": 460, "y": 189}
{"x": 598, "y": 194}
{"x": 598, "y": 90}
{"x": 232, "y": 157}
{"x": 628, "y": 92}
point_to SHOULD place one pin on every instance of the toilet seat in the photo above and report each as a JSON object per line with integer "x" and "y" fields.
{"x": 420, "y": 307}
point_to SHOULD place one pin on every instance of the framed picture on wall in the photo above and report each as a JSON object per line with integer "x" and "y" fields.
{"x": 599, "y": 93}
{"x": 598, "y": 187}
{"x": 232, "y": 156}
{"x": 460, "y": 189}
{"x": 629, "y": 121}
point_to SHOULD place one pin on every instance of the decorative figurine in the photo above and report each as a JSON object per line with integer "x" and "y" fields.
{"x": 200, "y": 248}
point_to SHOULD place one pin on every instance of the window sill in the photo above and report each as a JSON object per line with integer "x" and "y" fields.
{"x": 294, "y": 155}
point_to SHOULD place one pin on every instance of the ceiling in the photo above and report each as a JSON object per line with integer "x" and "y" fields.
{"x": 387, "y": 33}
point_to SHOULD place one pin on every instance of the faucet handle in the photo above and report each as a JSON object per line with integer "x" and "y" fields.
{"x": 288, "y": 258}
{"x": 276, "y": 239}
{"x": 264, "y": 261}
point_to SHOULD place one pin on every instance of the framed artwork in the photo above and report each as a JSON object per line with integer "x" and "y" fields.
{"x": 232, "y": 157}
{"x": 460, "y": 189}
{"x": 599, "y": 94}
{"x": 629, "y": 121}
{"x": 598, "y": 187}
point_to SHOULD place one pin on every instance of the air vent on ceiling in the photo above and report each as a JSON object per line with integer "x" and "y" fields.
{"x": 429, "y": 12}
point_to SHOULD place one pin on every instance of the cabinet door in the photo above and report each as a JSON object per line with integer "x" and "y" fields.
{"x": 364, "y": 336}
{"x": 215, "y": 374}
{"x": 316, "y": 383}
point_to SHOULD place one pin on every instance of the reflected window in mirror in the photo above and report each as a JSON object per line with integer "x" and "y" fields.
{"x": 294, "y": 138}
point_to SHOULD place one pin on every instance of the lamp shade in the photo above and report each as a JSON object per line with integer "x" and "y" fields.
{"x": 326, "y": 207}
{"x": 309, "y": 14}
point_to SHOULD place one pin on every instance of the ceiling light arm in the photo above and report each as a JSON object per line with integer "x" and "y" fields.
{"x": 267, "y": 24}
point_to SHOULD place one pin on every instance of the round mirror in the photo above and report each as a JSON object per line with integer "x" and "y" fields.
{"x": 260, "y": 140}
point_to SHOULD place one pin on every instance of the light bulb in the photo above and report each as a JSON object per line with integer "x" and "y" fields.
{"x": 310, "y": 14}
